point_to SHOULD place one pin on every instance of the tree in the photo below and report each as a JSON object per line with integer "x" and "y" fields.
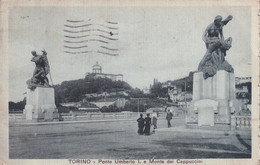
{"x": 245, "y": 95}
{"x": 17, "y": 107}
{"x": 158, "y": 91}
{"x": 136, "y": 93}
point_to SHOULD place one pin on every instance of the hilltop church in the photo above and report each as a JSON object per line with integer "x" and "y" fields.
{"x": 97, "y": 72}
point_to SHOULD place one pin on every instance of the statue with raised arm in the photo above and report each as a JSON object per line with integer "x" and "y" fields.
{"x": 216, "y": 45}
{"x": 41, "y": 71}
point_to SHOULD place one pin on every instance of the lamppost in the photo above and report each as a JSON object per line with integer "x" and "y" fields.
{"x": 138, "y": 105}
{"x": 185, "y": 93}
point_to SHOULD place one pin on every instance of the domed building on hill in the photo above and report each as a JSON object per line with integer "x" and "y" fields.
{"x": 96, "y": 68}
{"x": 97, "y": 72}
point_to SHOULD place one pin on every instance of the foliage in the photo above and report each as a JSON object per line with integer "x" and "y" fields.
{"x": 143, "y": 104}
{"x": 110, "y": 108}
{"x": 244, "y": 95}
{"x": 181, "y": 82}
{"x": 133, "y": 107}
{"x": 17, "y": 107}
{"x": 63, "y": 109}
{"x": 158, "y": 91}
{"x": 74, "y": 91}
{"x": 136, "y": 93}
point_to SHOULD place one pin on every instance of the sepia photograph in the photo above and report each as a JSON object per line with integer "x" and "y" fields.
{"x": 150, "y": 84}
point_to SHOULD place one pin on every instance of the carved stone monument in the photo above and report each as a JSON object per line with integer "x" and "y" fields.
{"x": 214, "y": 84}
{"x": 40, "y": 100}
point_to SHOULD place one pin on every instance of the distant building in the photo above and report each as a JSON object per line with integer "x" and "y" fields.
{"x": 155, "y": 109}
{"x": 88, "y": 107}
{"x": 155, "y": 81}
{"x": 105, "y": 102}
{"x": 185, "y": 103}
{"x": 173, "y": 93}
{"x": 243, "y": 96}
{"x": 97, "y": 72}
{"x": 105, "y": 94}
{"x": 240, "y": 80}
{"x": 146, "y": 90}
{"x": 168, "y": 84}
{"x": 71, "y": 104}
{"x": 176, "y": 95}
{"x": 242, "y": 90}
{"x": 96, "y": 68}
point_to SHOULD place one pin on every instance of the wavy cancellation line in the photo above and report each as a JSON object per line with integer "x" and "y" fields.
{"x": 85, "y": 46}
{"x": 86, "y": 41}
{"x": 76, "y": 47}
{"x": 112, "y": 22}
{"x": 90, "y": 36}
{"x": 77, "y": 36}
{"x": 84, "y": 52}
{"x": 108, "y": 53}
{"x": 86, "y": 25}
{"x": 77, "y": 26}
{"x": 74, "y": 21}
{"x": 89, "y": 30}
{"x": 108, "y": 27}
{"x": 77, "y": 21}
{"x": 108, "y": 48}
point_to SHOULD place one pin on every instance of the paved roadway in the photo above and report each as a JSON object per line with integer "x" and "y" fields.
{"x": 119, "y": 140}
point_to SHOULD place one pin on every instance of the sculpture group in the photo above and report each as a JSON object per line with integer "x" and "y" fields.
{"x": 213, "y": 100}
{"x": 42, "y": 69}
{"x": 40, "y": 100}
{"x": 216, "y": 45}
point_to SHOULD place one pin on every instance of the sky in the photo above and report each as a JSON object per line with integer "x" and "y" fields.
{"x": 153, "y": 42}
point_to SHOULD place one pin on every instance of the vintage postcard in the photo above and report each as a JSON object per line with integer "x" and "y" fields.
{"x": 129, "y": 82}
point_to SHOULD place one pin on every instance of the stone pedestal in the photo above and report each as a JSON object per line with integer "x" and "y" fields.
{"x": 40, "y": 105}
{"x": 213, "y": 99}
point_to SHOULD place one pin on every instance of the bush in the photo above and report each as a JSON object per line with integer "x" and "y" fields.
{"x": 63, "y": 109}
{"x": 110, "y": 108}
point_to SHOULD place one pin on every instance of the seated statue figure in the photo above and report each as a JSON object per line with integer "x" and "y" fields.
{"x": 214, "y": 59}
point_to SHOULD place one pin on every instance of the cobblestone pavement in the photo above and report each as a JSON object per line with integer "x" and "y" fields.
{"x": 119, "y": 140}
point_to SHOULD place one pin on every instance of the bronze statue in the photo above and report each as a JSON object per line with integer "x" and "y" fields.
{"x": 214, "y": 59}
{"x": 41, "y": 71}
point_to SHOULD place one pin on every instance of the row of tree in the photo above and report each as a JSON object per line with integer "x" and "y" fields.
{"x": 17, "y": 107}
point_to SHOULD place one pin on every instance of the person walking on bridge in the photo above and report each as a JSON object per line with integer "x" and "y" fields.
{"x": 140, "y": 121}
{"x": 169, "y": 118}
{"x": 147, "y": 124}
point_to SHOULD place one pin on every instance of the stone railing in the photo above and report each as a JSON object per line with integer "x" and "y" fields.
{"x": 241, "y": 122}
{"x": 96, "y": 116}
{"x": 107, "y": 116}
{"x": 16, "y": 117}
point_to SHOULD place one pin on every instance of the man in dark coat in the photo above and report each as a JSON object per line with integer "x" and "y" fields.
{"x": 168, "y": 118}
{"x": 140, "y": 121}
{"x": 147, "y": 125}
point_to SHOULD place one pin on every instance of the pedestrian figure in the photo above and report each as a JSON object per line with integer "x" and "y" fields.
{"x": 140, "y": 121}
{"x": 147, "y": 125}
{"x": 154, "y": 120}
{"x": 157, "y": 113}
{"x": 168, "y": 118}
